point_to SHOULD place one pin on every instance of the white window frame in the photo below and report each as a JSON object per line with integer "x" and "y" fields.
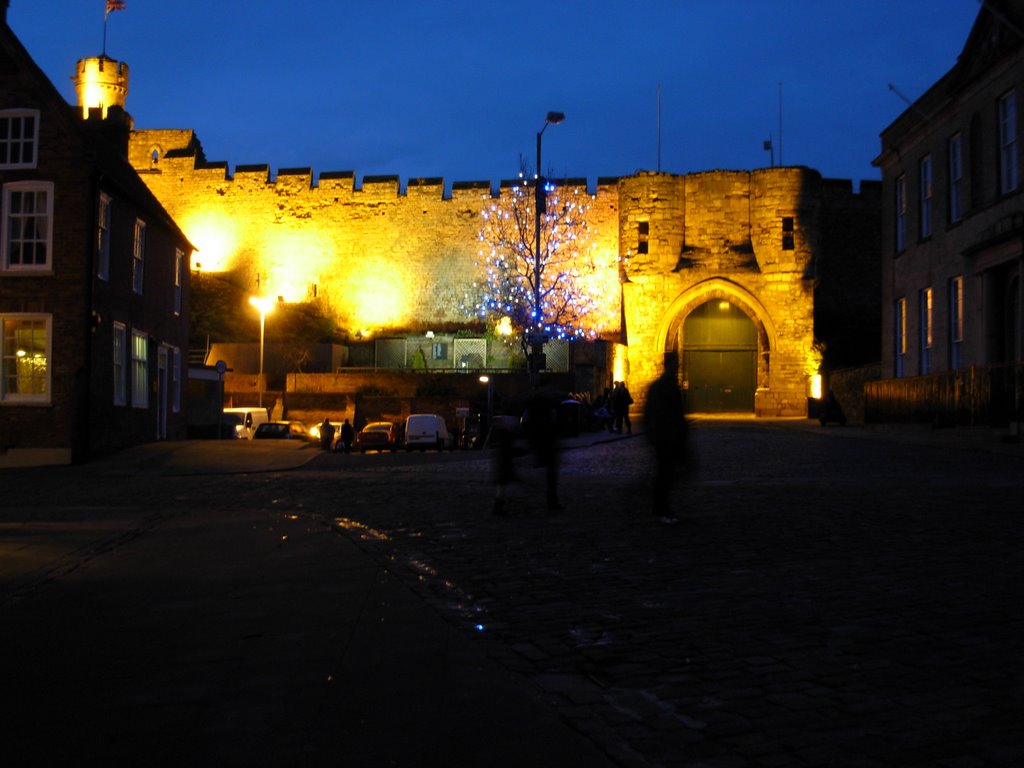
{"x": 956, "y": 177}
{"x": 179, "y": 265}
{"x": 956, "y": 323}
{"x": 139, "y": 354}
{"x": 138, "y": 256}
{"x": 901, "y": 213}
{"x": 925, "y": 195}
{"x": 104, "y": 207}
{"x": 927, "y": 328}
{"x": 900, "y": 328}
{"x": 7, "y": 230}
{"x": 120, "y": 364}
{"x": 9, "y": 356}
{"x": 11, "y": 117}
{"x": 1009, "y": 178}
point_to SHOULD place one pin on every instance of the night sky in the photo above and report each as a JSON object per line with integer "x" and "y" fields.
{"x": 460, "y": 89}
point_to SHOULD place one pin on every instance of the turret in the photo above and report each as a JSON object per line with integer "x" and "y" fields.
{"x": 101, "y": 83}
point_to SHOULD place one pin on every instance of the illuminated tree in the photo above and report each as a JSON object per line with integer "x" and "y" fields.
{"x": 567, "y": 281}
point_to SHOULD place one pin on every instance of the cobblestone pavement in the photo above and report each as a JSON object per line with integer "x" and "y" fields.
{"x": 830, "y": 599}
{"x": 825, "y": 601}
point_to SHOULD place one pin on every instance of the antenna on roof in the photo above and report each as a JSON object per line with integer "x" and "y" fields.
{"x": 780, "y": 123}
{"x": 911, "y": 104}
{"x": 659, "y": 127}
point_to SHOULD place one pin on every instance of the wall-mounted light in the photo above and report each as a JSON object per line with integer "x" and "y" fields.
{"x": 815, "y": 386}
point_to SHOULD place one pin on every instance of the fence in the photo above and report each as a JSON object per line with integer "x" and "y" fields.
{"x": 443, "y": 354}
{"x": 977, "y": 396}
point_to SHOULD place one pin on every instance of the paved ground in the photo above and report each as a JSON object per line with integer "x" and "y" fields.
{"x": 832, "y": 597}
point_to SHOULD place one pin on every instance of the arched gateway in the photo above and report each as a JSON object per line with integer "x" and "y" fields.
{"x": 719, "y": 269}
{"x": 723, "y": 336}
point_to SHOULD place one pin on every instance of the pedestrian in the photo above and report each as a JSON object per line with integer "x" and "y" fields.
{"x": 621, "y": 400}
{"x": 348, "y": 436}
{"x": 540, "y": 425}
{"x": 503, "y": 437}
{"x": 326, "y": 434}
{"x": 666, "y": 429}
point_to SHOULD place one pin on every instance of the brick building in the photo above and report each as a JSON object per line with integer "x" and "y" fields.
{"x": 94, "y": 278}
{"x": 953, "y": 215}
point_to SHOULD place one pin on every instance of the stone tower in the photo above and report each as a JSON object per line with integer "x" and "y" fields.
{"x": 101, "y": 83}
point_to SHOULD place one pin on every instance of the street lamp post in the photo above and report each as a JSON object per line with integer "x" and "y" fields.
{"x": 536, "y": 333}
{"x": 265, "y": 306}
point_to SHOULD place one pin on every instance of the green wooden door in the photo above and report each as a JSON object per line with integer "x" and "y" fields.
{"x": 720, "y": 359}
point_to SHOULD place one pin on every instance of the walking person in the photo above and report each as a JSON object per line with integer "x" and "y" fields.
{"x": 326, "y": 434}
{"x": 666, "y": 429}
{"x": 621, "y": 400}
{"x": 540, "y": 425}
{"x": 348, "y": 435}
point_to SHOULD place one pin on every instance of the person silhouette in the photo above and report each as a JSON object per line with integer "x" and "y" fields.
{"x": 666, "y": 430}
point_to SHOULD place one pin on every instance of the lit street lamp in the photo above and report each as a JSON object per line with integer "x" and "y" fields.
{"x": 536, "y": 335}
{"x": 265, "y": 306}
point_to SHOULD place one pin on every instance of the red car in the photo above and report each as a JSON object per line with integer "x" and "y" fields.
{"x": 377, "y": 436}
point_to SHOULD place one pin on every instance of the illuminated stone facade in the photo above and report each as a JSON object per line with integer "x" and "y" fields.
{"x": 378, "y": 255}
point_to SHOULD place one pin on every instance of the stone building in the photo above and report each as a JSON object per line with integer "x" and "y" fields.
{"x": 727, "y": 268}
{"x": 94, "y": 279}
{"x": 953, "y": 214}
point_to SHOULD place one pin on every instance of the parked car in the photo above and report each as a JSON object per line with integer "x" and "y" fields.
{"x": 377, "y": 436}
{"x": 282, "y": 430}
{"x": 243, "y": 421}
{"x": 427, "y": 430}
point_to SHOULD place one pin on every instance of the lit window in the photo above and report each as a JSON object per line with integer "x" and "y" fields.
{"x": 956, "y": 178}
{"x": 26, "y": 359}
{"x": 925, "y": 179}
{"x": 901, "y": 337}
{"x": 19, "y": 137}
{"x": 956, "y": 323}
{"x": 901, "y": 213}
{"x": 179, "y": 262}
{"x": 926, "y": 329}
{"x": 1008, "y": 172}
{"x": 103, "y": 212}
{"x": 138, "y": 255}
{"x": 27, "y": 225}
{"x": 140, "y": 370}
{"x": 120, "y": 367}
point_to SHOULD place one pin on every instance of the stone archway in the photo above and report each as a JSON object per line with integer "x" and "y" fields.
{"x": 671, "y": 336}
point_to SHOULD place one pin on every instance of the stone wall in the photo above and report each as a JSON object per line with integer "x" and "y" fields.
{"x": 380, "y": 256}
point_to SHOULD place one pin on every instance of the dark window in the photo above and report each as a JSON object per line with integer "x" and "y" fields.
{"x": 787, "y": 233}
{"x": 643, "y": 232}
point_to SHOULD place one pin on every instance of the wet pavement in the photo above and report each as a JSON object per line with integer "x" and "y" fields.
{"x": 837, "y": 597}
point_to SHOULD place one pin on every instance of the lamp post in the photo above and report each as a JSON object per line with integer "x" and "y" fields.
{"x": 536, "y": 335}
{"x": 265, "y": 306}
{"x": 485, "y": 379}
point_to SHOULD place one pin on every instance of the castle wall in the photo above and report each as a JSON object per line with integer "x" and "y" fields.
{"x": 379, "y": 256}
{"x": 375, "y": 256}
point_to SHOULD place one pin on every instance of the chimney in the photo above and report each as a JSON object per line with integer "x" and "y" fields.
{"x": 3, "y": 10}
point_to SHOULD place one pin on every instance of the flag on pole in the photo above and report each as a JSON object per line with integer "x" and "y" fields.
{"x": 113, "y": 5}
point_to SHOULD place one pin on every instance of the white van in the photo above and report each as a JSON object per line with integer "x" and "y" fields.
{"x": 427, "y": 430}
{"x": 244, "y": 420}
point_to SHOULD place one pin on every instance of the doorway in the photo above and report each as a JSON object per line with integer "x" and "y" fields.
{"x": 719, "y": 359}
